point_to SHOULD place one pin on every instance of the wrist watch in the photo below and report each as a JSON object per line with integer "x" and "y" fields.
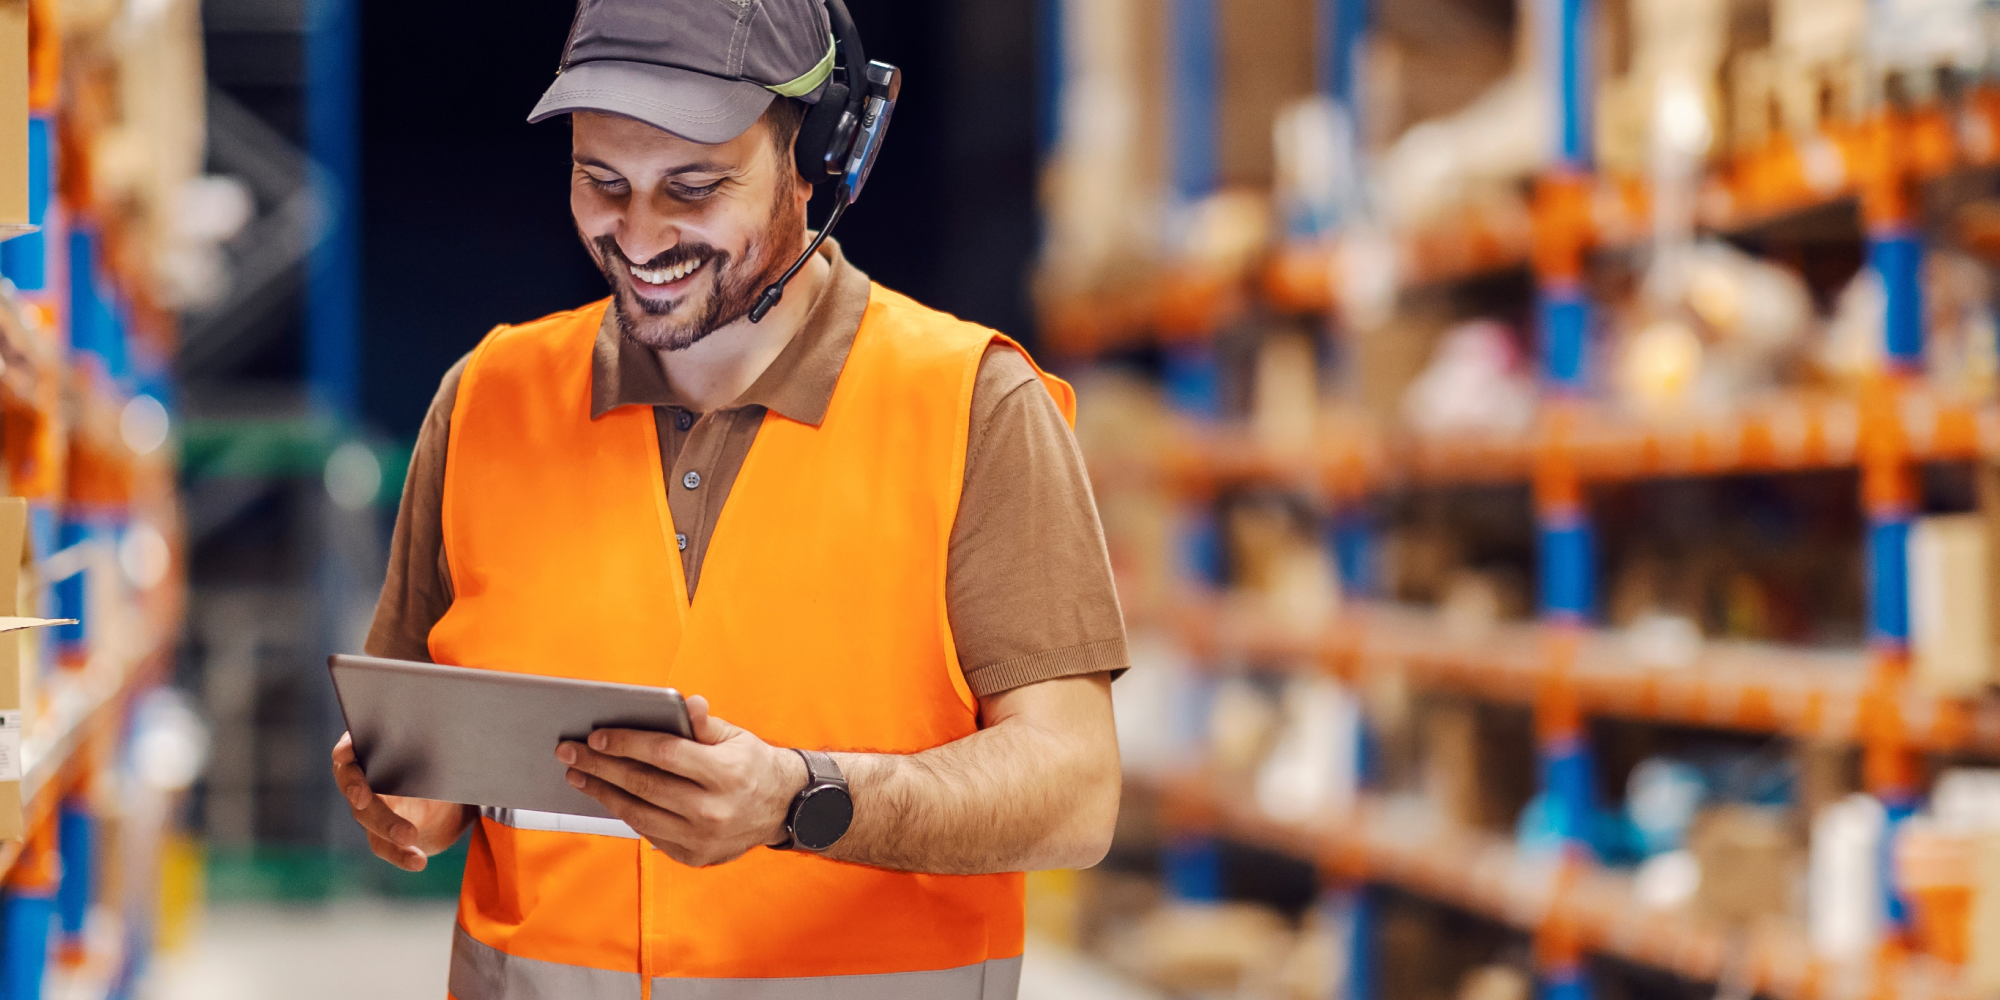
{"x": 820, "y": 812}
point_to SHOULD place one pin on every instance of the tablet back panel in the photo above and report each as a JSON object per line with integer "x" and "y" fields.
{"x": 484, "y": 737}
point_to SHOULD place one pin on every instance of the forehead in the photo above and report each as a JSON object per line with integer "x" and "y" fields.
{"x": 617, "y": 138}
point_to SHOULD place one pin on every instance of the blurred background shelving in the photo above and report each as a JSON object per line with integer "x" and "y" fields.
{"x": 1547, "y": 450}
{"x": 104, "y": 141}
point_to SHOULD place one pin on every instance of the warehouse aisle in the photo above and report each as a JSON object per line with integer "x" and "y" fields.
{"x": 385, "y": 951}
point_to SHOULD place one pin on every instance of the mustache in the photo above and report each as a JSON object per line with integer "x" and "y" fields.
{"x": 681, "y": 253}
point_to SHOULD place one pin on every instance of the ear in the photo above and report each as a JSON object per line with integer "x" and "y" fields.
{"x": 801, "y": 190}
{"x": 788, "y": 168}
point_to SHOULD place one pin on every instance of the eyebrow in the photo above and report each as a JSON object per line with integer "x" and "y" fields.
{"x": 700, "y": 167}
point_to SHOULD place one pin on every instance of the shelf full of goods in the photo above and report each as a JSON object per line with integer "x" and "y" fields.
{"x": 1551, "y": 460}
{"x": 100, "y": 133}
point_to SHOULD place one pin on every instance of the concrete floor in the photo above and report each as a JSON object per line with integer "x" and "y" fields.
{"x": 383, "y": 951}
{"x": 399, "y": 951}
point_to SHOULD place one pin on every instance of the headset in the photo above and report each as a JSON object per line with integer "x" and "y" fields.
{"x": 841, "y": 135}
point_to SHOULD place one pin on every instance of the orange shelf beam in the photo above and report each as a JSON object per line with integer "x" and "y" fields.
{"x": 1793, "y": 432}
{"x": 1752, "y": 687}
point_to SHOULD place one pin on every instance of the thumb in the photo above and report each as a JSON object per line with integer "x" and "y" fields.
{"x": 707, "y": 728}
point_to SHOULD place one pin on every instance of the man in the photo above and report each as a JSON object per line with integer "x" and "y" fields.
{"x": 858, "y": 529}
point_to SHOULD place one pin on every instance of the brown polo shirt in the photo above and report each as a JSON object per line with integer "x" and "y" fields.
{"x": 1027, "y": 582}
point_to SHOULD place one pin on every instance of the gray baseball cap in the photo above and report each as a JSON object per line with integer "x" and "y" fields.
{"x": 701, "y": 69}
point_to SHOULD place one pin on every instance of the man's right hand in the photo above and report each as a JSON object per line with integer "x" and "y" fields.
{"x": 402, "y": 831}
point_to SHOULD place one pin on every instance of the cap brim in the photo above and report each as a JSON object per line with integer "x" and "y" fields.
{"x": 694, "y": 106}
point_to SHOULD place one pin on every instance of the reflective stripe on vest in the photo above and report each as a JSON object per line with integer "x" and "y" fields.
{"x": 483, "y": 972}
{"x": 480, "y": 971}
{"x": 821, "y": 624}
{"x": 994, "y": 979}
{"x": 532, "y": 819}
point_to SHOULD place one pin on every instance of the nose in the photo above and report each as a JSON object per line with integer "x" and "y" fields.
{"x": 645, "y": 233}
{"x": 641, "y": 250}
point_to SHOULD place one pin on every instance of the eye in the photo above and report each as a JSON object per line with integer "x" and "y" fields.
{"x": 692, "y": 193}
{"x": 608, "y": 185}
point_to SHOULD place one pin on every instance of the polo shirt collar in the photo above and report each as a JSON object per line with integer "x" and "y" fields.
{"x": 799, "y": 382}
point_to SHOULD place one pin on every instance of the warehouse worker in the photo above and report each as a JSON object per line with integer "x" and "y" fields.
{"x": 855, "y": 528}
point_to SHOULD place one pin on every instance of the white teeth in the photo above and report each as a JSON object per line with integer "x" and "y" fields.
{"x": 664, "y": 275}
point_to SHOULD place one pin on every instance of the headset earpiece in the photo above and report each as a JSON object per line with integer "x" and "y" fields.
{"x": 826, "y": 137}
{"x": 821, "y": 133}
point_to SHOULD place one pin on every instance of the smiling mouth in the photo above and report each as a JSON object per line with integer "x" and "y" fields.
{"x": 662, "y": 276}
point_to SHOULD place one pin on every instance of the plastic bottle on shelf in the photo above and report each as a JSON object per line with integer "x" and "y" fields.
{"x": 1315, "y": 765}
{"x": 1844, "y": 890}
{"x": 1313, "y": 143}
{"x": 1662, "y": 797}
{"x": 1476, "y": 382}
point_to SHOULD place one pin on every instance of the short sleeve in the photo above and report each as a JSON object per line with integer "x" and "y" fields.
{"x": 1028, "y": 584}
{"x": 416, "y": 591}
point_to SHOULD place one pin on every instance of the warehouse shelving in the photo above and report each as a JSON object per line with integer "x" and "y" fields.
{"x": 87, "y": 330}
{"x": 1400, "y": 842}
{"x": 1884, "y": 170}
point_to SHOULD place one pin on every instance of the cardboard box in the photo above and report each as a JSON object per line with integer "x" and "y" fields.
{"x": 16, "y": 646}
{"x": 1477, "y": 762}
{"x": 1748, "y": 861}
{"x": 1265, "y": 57}
{"x": 1951, "y": 636}
{"x": 1982, "y": 968}
{"x": 1451, "y": 762}
{"x": 14, "y": 219}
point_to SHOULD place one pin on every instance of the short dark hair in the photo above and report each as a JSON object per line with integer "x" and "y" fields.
{"x": 783, "y": 118}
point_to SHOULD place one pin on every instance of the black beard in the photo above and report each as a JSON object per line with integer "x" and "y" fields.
{"x": 732, "y": 289}
{"x": 675, "y": 326}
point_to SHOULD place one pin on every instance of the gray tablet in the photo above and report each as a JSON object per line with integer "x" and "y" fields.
{"x": 485, "y": 737}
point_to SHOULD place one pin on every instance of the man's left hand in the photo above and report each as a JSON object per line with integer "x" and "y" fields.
{"x": 702, "y": 801}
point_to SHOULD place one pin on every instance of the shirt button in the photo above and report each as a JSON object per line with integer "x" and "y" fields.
{"x": 682, "y": 541}
{"x": 691, "y": 480}
{"x": 683, "y": 419}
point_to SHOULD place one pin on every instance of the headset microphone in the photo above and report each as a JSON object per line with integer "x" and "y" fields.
{"x": 776, "y": 290}
{"x": 841, "y": 136}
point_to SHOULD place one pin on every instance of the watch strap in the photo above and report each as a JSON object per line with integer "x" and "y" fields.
{"x": 821, "y": 769}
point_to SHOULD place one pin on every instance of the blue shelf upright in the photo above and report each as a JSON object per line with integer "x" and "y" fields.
{"x": 1565, "y": 542}
{"x": 1891, "y": 771}
{"x": 1191, "y": 864}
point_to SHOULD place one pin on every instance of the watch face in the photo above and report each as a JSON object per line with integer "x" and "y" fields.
{"x": 822, "y": 818}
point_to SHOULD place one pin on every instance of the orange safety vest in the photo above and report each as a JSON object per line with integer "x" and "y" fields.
{"x": 820, "y": 624}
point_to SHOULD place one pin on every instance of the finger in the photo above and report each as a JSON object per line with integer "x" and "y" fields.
{"x": 353, "y": 785}
{"x": 343, "y": 749}
{"x": 651, "y": 784}
{"x": 378, "y": 819}
{"x": 408, "y": 859}
{"x": 672, "y": 850}
{"x": 707, "y": 728}
{"x": 667, "y": 752}
{"x": 645, "y": 818}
